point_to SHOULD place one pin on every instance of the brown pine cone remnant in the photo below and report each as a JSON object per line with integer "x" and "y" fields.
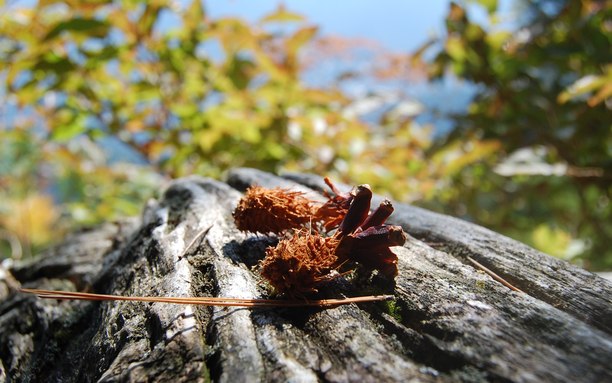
{"x": 332, "y": 212}
{"x": 358, "y": 211}
{"x": 304, "y": 261}
{"x": 299, "y": 264}
{"x": 365, "y": 239}
{"x": 371, "y": 248}
{"x": 272, "y": 210}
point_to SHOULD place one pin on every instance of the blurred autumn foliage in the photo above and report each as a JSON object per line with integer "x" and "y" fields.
{"x": 101, "y": 107}
{"x": 546, "y": 100}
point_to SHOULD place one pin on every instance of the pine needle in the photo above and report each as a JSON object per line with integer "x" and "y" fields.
{"x": 206, "y": 301}
{"x": 494, "y": 276}
{"x": 197, "y": 237}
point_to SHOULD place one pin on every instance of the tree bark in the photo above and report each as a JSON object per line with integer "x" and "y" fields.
{"x": 449, "y": 322}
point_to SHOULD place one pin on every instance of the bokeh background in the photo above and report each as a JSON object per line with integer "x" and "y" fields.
{"x": 497, "y": 112}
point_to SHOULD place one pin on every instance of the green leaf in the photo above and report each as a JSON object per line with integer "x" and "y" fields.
{"x": 85, "y": 4}
{"x": 184, "y": 110}
{"x": 93, "y": 28}
{"x": 281, "y": 15}
{"x": 195, "y": 16}
{"x": 148, "y": 18}
{"x": 551, "y": 241}
{"x": 300, "y": 38}
{"x": 66, "y": 132}
{"x": 456, "y": 49}
{"x": 241, "y": 72}
{"x": 497, "y": 40}
{"x": 60, "y": 66}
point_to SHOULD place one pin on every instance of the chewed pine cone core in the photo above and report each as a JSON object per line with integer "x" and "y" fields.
{"x": 272, "y": 210}
{"x": 300, "y": 263}
{"x": 305, "y": 259}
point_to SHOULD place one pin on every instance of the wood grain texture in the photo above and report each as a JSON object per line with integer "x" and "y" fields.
{"x": 567, "y": 287}
{"x": 450, "y": 322}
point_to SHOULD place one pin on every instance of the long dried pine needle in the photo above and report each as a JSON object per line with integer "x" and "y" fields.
{"x": 495, "y": 276}
{"x": 206, "y": 301}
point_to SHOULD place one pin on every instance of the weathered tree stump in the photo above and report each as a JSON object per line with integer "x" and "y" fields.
{"x": 450, "y": 321}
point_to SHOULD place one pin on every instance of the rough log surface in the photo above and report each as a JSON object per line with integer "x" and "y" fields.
{"x": 450, "y": 322}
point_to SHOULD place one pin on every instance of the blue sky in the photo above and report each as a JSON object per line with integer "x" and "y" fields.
{"x": 399, "y": 25}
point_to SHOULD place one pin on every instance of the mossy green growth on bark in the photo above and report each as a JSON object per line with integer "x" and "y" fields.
{"x": 393, "y": 309}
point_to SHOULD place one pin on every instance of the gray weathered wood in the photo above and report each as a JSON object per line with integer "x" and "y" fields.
{"x": 454, "y": 322}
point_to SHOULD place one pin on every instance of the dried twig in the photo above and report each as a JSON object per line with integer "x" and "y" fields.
{"x": 206, "y": 301}
{"x": 494, "y": 276}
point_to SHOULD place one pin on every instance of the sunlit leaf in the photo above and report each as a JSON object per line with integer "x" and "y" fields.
{"x": 240, "y": 72}
{"x": 300, "y": 38}
{"x": 281, "y": 15}
{"x": 456, "y": 12}
{"x": 586, "y": 84}
{"x": 149, "y": 17}
{"x": 490, "y": 5}
{"x": 497, "y": 40}
{"x": 417, "y": 57}
{"x": 184, "y": 110}
{"x": 32, "y": 218}
{"x": 68, "y": 131}
{"x": 317, "y": 96}
{"x": 135, "y": 126}
{"x": 92, "y": 27}
{"x": 604, "y": 92}
{"x": 456, "y": 49}
{"x": 195, "y": 16}
{"x": 88, "y": 4}
{"x": 551, "y": 241}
